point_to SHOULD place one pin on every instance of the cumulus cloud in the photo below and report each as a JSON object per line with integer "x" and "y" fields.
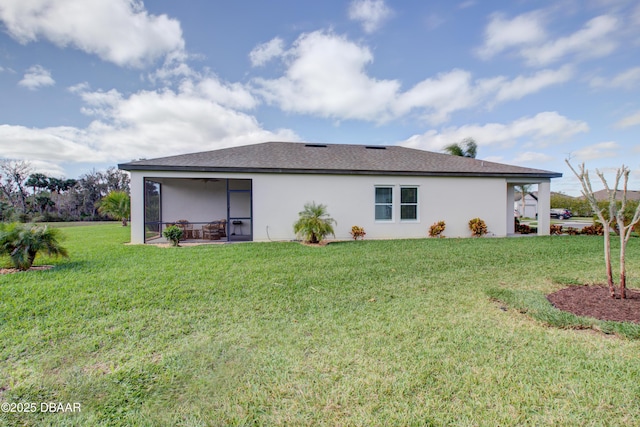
{"x": 326, "y": 77}
{"x": 202, "y": 114}
{"x": 502, "y": 33}
{"x": 36, "y": 77}
{"x": 265, "y": 52}
{"x": 629, "y": 121}
{"x": 543, "y": 129}
{"x": 370, "y": 13}
{"x": 118, "y": 31}
{"x": 448, "y": 92}
{"x": 597, "y": 151}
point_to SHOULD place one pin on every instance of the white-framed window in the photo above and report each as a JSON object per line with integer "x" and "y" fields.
{"x": 384, "y": 203}
{"x": 408, "y": 203}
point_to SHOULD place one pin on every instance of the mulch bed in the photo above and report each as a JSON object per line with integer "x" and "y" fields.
{"x": 15, "y": 270}
{"x": 594, "y": 301}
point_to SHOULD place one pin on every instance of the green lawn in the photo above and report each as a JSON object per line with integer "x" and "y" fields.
{"x": 352, "y": 334}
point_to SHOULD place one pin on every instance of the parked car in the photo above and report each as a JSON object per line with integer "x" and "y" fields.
{"x": 561, "y": 213}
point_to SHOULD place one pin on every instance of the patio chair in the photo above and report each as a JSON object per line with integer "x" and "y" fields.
{"x": 211, "y": 231}
{"x": 187, "y": 229}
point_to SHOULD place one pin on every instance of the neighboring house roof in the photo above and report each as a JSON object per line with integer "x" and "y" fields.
{"x": 603, "y": 195}
{"x": 534, "y": 194}
{"x": 293, "y": 157}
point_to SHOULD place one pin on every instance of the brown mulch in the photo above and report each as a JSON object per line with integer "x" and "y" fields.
{"x": 15, "y": 270}
{"x": 594, "y": 301}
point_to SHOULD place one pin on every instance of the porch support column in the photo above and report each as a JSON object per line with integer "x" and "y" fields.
{"x": 511, "y": 196}
{"x": 137, "y": 207}
{"x": 544, "y": 207}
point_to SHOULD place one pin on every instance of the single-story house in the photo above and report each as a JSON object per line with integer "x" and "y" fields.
{"x": 392, "y": 191}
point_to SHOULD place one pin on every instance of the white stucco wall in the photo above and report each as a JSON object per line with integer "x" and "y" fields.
{"x": 350, "y": 200}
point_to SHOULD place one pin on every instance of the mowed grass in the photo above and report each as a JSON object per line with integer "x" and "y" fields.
{"x": 388, "y": 333}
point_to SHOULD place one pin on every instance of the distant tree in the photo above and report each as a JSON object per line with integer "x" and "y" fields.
{"x": 117, "y": 205}
{"x": 612, "y": 210}
{"x": 314, "y": 223}
{"x": 37, "y": 181}
{"x": 13, "y": 174}
{"x": 465, "y": 148}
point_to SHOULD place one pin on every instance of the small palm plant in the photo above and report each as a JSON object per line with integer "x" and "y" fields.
{"x": 117, "y": 205}
{"x": 23, "y": 242}
{"x": 314, "y": 223}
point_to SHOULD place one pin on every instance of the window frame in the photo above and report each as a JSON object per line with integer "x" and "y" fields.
{"x": 391, "y": 204}
{"x": 416, "y": 203}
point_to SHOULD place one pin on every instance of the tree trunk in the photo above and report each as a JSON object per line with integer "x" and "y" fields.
{"x": 607, "y": 260}
{"x": 623, "y": 274}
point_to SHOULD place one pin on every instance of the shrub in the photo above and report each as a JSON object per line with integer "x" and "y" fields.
{"x": 173, "y": 233}
{"x": 593, "y": 230}
{"x": 23, "y": 242}
{"x": 437, "y": 229}
{"x": 555, "y": 229}
{"x": 478, "y": 227}
{"x": 572, "y": 231}
{"x": 314, "y": 223}
{"x": 357, "y": 232}
{"x": 524, "y": 229}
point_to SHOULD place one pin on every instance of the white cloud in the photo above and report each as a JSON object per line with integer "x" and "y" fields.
{"x": 543, "y": 128}
{"x": 597, "y": 151}
{"x": 629, "y": 121}
{"x": 522, "y": 86}
{"x": 627, "y": 79}
{"x": 58, "y": 144}
{"x": 502, "y": 33}
{"x": 444, "y": 94}
{"x": 36, "y": 77}
{"x": 370, "y": 13}
{"x": 592, "y": 41}
{"x": 119, "y": 31}
{"x": 527, "y": 35}
{"x": 201, "y": 115}
{"x": 529, "y": 157}
{"x": 265, "y": 52}
{"x": 326, "y": 77}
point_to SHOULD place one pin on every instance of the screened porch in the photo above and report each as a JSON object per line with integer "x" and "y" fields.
{"x": 206, "y": 209}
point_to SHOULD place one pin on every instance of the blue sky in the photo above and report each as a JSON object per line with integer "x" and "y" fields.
{"x": 90, "y": 83}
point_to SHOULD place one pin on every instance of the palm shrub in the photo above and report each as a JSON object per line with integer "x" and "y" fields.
{"x": 478, "y": 227}
{"x": 173, "y": 233}
{"x": 22, "y": 243}
{"x": 314, "y": 223}
{"x": 117, "y": 205}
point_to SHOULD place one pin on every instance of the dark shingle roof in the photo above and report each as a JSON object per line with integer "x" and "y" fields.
{"x": 293, "y": 157}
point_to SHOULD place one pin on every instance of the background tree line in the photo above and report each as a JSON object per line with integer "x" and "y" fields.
{"x": 29, "y": 196}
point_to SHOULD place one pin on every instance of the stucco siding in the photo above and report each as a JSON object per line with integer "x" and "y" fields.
{"x": 350, "y": 201}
